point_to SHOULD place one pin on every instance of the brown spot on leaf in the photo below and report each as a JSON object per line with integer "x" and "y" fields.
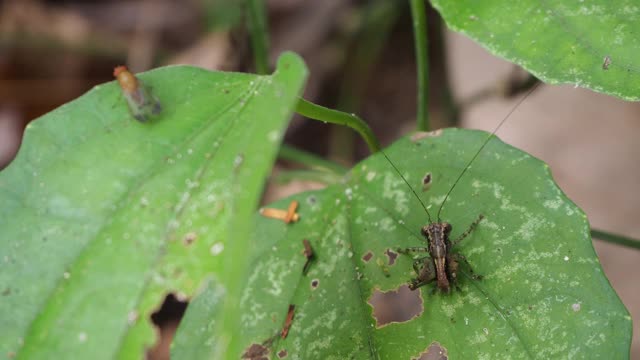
{"x": 189, "y": 238}
{"x": 282, "y": 354}
{"x": 392, "y": 255}
{"x": 309, "y": 254}
{"x": 435, "y": 351}
{"x": 314, "y": 284}
{"x": 606, "y": 62}
{"x": 6, "y": 292}
{"x": 256, "y": 352}
{"x": 395, "y": 306}
{"x": 426, "y": 182}
{"x": 366, "y": 257}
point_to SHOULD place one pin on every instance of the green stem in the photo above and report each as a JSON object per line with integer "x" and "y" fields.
{"x": 259, "y": 35}
{"x": 378, "y": 18}
{"x": 418, "y": 13}
{"x": 439, "y": 71}
{"x": 317, "y": 112}
{"x": 616, "y": 239}
{"x": 290, "y": 153}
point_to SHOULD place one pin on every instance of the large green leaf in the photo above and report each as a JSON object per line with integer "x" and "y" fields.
{"x": 558, "y": 41}
{"x": 102, "y": 216}
{"x": 543, "y": 295}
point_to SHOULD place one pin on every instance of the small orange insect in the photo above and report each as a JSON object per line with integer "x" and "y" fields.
{"x": 141, "y": 101}
{"x": 288, "y": 216}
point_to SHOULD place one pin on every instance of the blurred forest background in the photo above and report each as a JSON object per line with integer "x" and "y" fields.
{"x": 361, "y": 59}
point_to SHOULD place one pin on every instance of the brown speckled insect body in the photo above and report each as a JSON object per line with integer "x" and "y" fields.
{"x": 442, "y": 263}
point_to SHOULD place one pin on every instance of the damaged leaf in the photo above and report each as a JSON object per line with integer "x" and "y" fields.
{"x": 101, "y": 216}
{"x": 543, "y": 292}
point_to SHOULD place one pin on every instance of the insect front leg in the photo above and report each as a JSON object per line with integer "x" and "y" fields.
{"x": 469, "y": 230}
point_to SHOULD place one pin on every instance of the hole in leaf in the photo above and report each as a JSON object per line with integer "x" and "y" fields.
{"x": 435, "y": 351}
{"x": 314, "y": 284}
{"x": 426, "y": 182}
{"x": 189, "y": 238}
{"x": 167, "y": 319}
{"x": 396, "y": 305}
{"x": 392, "y": 255}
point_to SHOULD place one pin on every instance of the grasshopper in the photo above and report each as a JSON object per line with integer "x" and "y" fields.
{"x": 441, "y": 265}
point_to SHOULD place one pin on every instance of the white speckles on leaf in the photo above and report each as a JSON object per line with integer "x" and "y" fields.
{"x": 387, "y": 224}
{"x": 449, "y": 308}
{"x": 273, "y": 136}
{"x": 528, "y": 230}
{"x": 216, "y": 249}
{"x": 478, "y": 338}
{"x": 348, "y": 193}
{"x": 132, "y": 317}
{"x": 394, "y": 189}
{"x": 553, "y": 204}
{"x": 238, "y": 161}
{"x": 325, "y": 320}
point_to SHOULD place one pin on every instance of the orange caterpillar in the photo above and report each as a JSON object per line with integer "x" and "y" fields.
{"x": 141, "y": 101}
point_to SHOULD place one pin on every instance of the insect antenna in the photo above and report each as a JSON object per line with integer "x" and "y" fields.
{"x": 486, "y": 141}
{"x": 410, "y": 187}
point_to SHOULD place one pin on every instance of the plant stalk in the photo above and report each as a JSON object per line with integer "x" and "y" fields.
{"x": 418, "y": 13}
{"x": 317, "y": 112}
{"x": 257, "y": 24}
{"x": 615, "y": 239}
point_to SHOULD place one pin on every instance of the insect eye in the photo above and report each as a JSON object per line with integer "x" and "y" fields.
{"x": 447, "y": 227}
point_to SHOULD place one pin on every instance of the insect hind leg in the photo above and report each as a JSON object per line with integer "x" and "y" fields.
{"x": 459, "y": 257}
{"x": 425, "y": 273}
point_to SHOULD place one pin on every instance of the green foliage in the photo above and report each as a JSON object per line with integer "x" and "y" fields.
{"x": 102, "y": 216}
{"x": 543, "y": 294}
{"x": 558, "y": 41}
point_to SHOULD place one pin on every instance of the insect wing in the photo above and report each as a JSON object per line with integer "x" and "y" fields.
{"x": 142, "y": 103}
